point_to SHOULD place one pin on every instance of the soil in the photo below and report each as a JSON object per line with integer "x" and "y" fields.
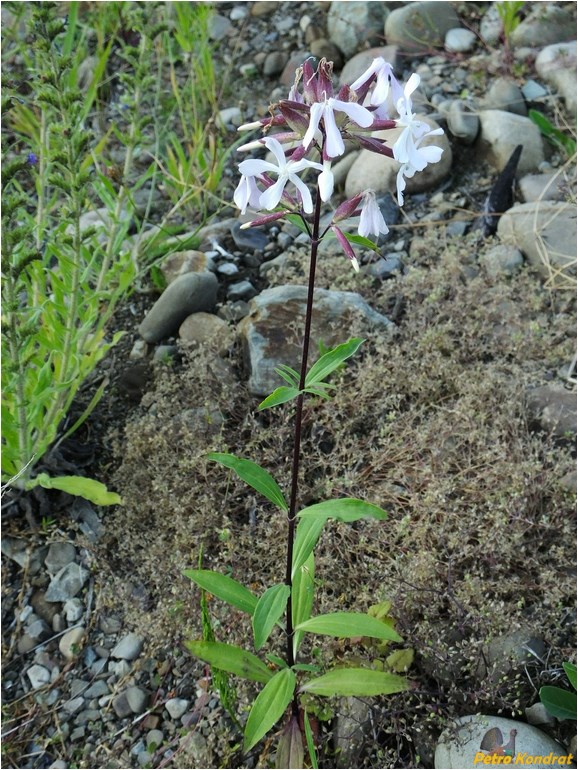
{"x": 430, "y": 423}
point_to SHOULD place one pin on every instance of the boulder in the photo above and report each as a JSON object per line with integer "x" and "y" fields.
{"x": 501, "y": 132}
{"x": 418, "y": 27}
{"x": 546, "y": 23}
{"x": 350, "y": 25}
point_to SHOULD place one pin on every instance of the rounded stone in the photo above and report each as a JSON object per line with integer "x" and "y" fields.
{"x": 459, "y": 40}
{"x": 501, "y": 132}
{"x": 70, "y": 642}
{"x": 38, "y": 676}
{"x": 137, "y": 699}
{"x": 206, "y": 329}
{"x": 350, "y": 25}
{"x": 128, "y": 648}
{"x": 419, "y": 26}
{"x": 176, "y": 707}
{"x": 462, "y": 123}
{"x": 504, "y": 94}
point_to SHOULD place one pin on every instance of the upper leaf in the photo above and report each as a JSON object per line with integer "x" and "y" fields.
{"x": 269, "y": 609}
{"x": 355, "y": 681}
{"x": 254, "y": 475}
{"x": 224, "y": 587}
{"x": 348, "y": 624}
{"x": 343, "y": 509}
{"x": 306, "y": 537}
{"x": 90, "y": 489}
{"x": 233, "y": 659}
{"x": 331, "y": 360}
{"x": 280, "y": 395}
{"x": 269, "y": 706}
{"x": 302, "y": 595}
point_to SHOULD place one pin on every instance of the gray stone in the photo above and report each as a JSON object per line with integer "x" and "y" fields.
{"x": 353, "y": 724}
{"x": 219, "y": 26}
{"x": 379, "y": 172}
{"x": 129, "y": 647}
{"x": 243, "y": 290}
{"x": 500, "y": 134}
{"x": 556, "y": 64}
{"x": 461, "y": 743}
{"x": 70, "y": 642}
{"x": 271, "y": 334}
{"x": 549, "y": 186}
{"x": 137, "y": 699}
{"x": 418, "y": 27}
{"x": 190, "y": 293}
{"x": 545, "y": 231}
{"x": 206, "y": 329}
{"x": 139, "y": 351}
{"x": 325, "y": 49}
{"x": 88, "y": 715}
{"x": 18, "y": 550}
{"x": 73, "y": 609}
{"x": 462, "y": 122}
{"x": 239, "y": 12}
{"x": 97, "y": 690}
{"x": 182, "y": 262}
{"x": 386, "y": 267}
{"x": 532, "y": 91}
{"x": 358, "y": 64}
{"x": 504, "y": 94}
{"x": 73, "y": 705}
{"x": 154, "y": 739}
{"x": 491, "y": 26}
{"x": 121, "y": 706}
{"x": 351, "y": 25}
{"x": 510, "y": 651}
{"x": 546, "y": 23}
{"x": 58, "y": 556}
{"x": 26, "y": 644}
{"x": 176, "y": 707}
{"x": 119, "y": 668}
{"x": 252, "y": 238}
{"x": 553, "y": 408}
{"x": 234, "y": 311}
{"x": 59, "y": 764}
{"x": 38, "y": 676}
{"x": 66, "y": 583}
{"x": 502, "y": 260}
{"x": 228, "y": 269}
{"x": 459, "y": 40}
{"x": 38, "y": 629}
{"x": 538, "y": 715}
{"x": 230, "y": 116}
{"x": 274, "y": 63}
{"x": 144, "y": 759}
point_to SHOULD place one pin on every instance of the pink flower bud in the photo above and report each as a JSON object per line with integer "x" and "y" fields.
{"x": 347, "y": 208}
{"x": 346, "y": 246}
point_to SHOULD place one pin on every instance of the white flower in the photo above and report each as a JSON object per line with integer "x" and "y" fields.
{"x": 286, "y": 170}
{"x": 334, "y": 145}
{"x": 385, "y": 83}
{"x": 325, "y": 181}
{"x": 371, "y": 219}
{"x": 247, "y": 194}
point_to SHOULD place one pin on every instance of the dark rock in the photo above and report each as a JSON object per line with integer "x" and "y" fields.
{"x": 252, "y": 238}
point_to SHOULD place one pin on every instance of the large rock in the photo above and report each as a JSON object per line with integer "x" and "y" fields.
{"x": 272, "y": 333}
{"x": 352, "y": 24}
{"x": 419, "y": 27}
{"x": 545, "y": 231}
{"x": 460, "y": 745}
{"x": 546, "y": 23}
{"x": 501, "y": 132}
{"x": 553, "y": 409}
{"x": 379, "y": 172}
{"x": 190, "y": 293}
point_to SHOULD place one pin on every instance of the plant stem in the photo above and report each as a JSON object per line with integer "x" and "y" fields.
{"x": 291, "y": 514}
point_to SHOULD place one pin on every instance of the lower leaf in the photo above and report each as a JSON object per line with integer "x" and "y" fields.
{"x": 269, "y": 706}
{"x": 355, "y": 681}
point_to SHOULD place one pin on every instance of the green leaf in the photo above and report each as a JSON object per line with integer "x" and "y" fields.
{"x": 558, "y": 702}
{"x": 269, "y": 609}
{"x": 355, "y": 681}
{"x": 570, "y": 669}
{"x": 224, "y": 588}
{"x": 269, "y": 706}
{"x": 253, "y": 475}
{"x": 310, "y": 741}
{"x": 232, "y": 659}
{"x": 343, "y": 509}
{"x": 296, "y": 220}
{"x": 306, "y": 537}
{"x": 92, "y": 490}
{"x": 331, "y": 360}
{"x": 279, "y": 396}
{"x": 288, "y": 374}
{"x": 276, "y": 660}
{"x": 358, "y": 240}
{"x": 400, "y": 660}
{"x": 290, "y": 751}
{"x": 551, "y": 132}
{"x": 302, "y": 595}
{"x": 348, "y": 624}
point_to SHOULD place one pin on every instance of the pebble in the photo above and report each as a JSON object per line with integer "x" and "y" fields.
{"x": 501, "y": 131}
{"x": 19, "y": 551}
{"x": 420, "y": 26}
{"x": 502, "y": 260}
{"x": 97, "y": 690}
{"x": 239, "y": 12}
{"x": 66, "y": 583}
{"x": 129, "y": 647}
{"x": 176, "y": 707}
{"x": 274, "y": 63}
{"x": 251, "y": 238}
{"x": 386, "y": 267}
{"x": 243, "y": 290}
{"x": 219, "y": 26}
{"x": 462, "y": 122}
{"x": 504, "y": 94}
{"x": 459, "y": 40}
{"x": 137, "y": 699}
{"x": 58, "y": 556}
{"x": 73, "y": 609}
{"x": 352, "y": 25}
{"x": 154, "y": 739}
{"x": 228, "y": 269}
{"x": 546, "y": 23}
{"x": 70, "y": 642}
{"x": 38, "y": 676}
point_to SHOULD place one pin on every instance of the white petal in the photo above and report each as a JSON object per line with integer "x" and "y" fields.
{"x": 271, "y": 197}
{"x": 400, "y": 186}
{"x": 354, "y": 111}
{"x": 375, "y": 65}
{"x": 314, "y": 117}
{"x": 254, "y": 167}
{"x": 276, "y": 148}
{"x": 326, "y": 183}
{"x": 334, "y": 146}
{"x": 305, "y": 194}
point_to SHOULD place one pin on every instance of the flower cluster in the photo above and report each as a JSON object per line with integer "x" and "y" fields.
{"x": 314, "y": 121}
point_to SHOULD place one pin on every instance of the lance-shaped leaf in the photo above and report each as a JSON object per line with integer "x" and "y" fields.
{"x": 90, "y": 489}
{"x": 348, "y": 624}
{"x": 570, "y": 670}
{"x": 306, "y": 537}
{"x": 269, "y": 609}
{"x": 343, "y": 509}
{"x": 288, "y": 374}
{"x": 269, "y": 706}
{"x": 233, "y": 659}
{"x": 224, "y": 588}
{"x": 279, "y": 396}
{"x": 355, "y": 681}
{"x": 290, "y": 751}
{"x": 558, "y": 702}
{"x": 302, "y": 595}
{"x": 331, "y": 360}
{"x": 254, "y": 475}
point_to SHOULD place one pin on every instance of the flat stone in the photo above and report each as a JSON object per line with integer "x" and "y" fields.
{"x": 267, "y": 342}
{"x": 554, "y": 409}
{"x": 129, "y": 647}
{"x": 137, "y": 699}
{"x": 545, "y": 231}
{"x": 459, "y": 40}
{"x": 73, "y": 705}
{"x": 462, "y": 742}
{"x": 500, "y": 134}
{"x": 66, "y": 583}
{"x": 418, "y": 27}
{"x": 252, "y": 238}
{"x": 18, "y": 550}
{"x": 504, "y": 94}
{"x": 549, "y": 186}
{"x": 462, "y": 122}
{"x": 38, "y": 676}
{"x": 58, "y": 556}
{"x": 97, "y": 690}
{"x": 243, "y": 290}
{"x": 70, "y": 642}
{"x": 546, "y": 23}
{"x": 182, "y": 262}
{"x": 351, "y": 25}
{"x": 190, "y": 293}
{"x": 502, "y": 260}
{"x": 379, "y": 172}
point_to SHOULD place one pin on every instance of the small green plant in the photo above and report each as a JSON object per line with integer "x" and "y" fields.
{"x": 509, "y": 12}
{"x": 316, "y": 123}
{"x": 558, "y": 702}
{"x": 558, "y": 138}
